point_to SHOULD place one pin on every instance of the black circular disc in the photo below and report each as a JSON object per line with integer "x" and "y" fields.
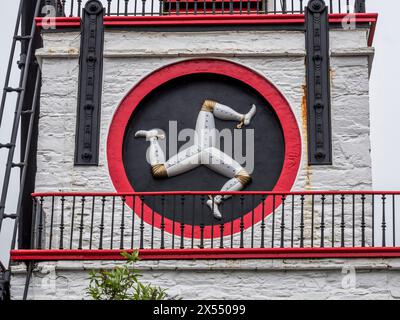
{"x": 180, "y": 100}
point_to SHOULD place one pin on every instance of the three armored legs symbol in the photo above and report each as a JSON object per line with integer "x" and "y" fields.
{"x": 202, "y": 152}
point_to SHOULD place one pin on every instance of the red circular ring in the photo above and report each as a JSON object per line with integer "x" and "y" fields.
{"x": 221, "y": 67}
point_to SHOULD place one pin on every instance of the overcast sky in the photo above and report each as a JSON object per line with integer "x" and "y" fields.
{"x": 385, "y": 88}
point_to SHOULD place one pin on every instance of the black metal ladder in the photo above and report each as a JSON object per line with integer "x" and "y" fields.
{"x": 27, "y": 60}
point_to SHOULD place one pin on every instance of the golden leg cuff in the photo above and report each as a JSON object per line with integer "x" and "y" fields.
{"x": 159, "y": 171}
{"x": 208, "y": 105}
{"x": 243, "y": 177}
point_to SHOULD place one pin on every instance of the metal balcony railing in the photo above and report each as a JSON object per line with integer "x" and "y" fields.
{"x": 182, "y": 220}
{"x": 73, "y": 8}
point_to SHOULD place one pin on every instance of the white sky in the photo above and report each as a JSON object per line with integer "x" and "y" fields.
{"x": 384, "y": 85}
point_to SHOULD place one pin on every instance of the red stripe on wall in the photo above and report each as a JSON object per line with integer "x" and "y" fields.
{"x": 217, "y": 19}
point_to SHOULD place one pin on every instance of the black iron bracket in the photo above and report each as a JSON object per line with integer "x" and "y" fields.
{"x": 359, "y": 6}
{"x": 90, "y": 85}
{"x": 318, "y": 84}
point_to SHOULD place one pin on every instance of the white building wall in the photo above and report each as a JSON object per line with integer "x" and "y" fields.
{"x": 279, "y": 56}
{"x": 230, "y": 279}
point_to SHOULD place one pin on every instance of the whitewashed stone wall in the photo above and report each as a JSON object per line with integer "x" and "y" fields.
{"x": 278, "y": 55}
{"x": 231, "y": 279}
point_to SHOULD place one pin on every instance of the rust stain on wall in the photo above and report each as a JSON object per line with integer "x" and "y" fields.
{"x": 304, "y": 130}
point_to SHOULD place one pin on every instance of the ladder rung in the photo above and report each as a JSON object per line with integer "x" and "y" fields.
{"x": 21, "y": 38}
{"x": 6, "y": 145}
{"x": 29, "y": 111}
{"x": 9, "y": 89}
{"x": 10, "y": 216}
{"x": 19, "y": 165}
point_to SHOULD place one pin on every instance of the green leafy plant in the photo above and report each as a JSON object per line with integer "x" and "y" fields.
{"x": 122, "y": 283}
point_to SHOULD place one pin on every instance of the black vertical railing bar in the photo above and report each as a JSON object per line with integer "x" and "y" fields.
{"x": 122, "y": 225}
{"x": 312, "y": 221}
{"x": 193, "y": 222}
{"x": 363, "y": 225}
{"x": 143, "y": 7}
{"x": 302, "y": 221}
{"x": 322, "y": 225}
{"x": 262, "y": 244}
{"x": 383, "y": 225}
{"x": 373, "y": 219}
{"x": 169, "y": 7}
{"x": 92, "y": 223}
{"x": 112, "y": 222}
{"x": 221, "y": 231}
{"x": 162, "y": 226}
{"x": 359, "y": 6}
{"x": 232, "y": 206}
{"x": 40, "y": 225}
{"x": 353, "y": 220}
{"x": 153, "y": 200}
{"x": 173, "y": 221}
{"x": 273, "y": 222}
{"x": 62, "y": 226}
{"x": 283, "y": 222}
{"x": 51, "y": 222}
{"x": 109, "y": 7}
{"x": 79, "y": 7}
{"x": 342, "y": 223}
{"x": 33, "y": 225}
{"x": 101, "y": 226}
{"x": 284, "y": 6}
{"x": 141, "y": 242}
{"x": 242, "y": 222}
{"x": 333, "y": 221}
{"x": 126, "y": 7}
{"x": 71, "y": 12}
{"x": 182, "y": 225}
{"x": 202, "y": 222}
{"x": 72, "y": 221}
{"x": 252, "y": 222}
{"x": 292, "y": 224}
{"x": 63, "y": 7}
{"x": 81, "y": 225}
{"x": 348, "y": 6}
{"x": 394, "y": 219}
{"x": 212, "y": 222}
{"x": 160, "y": 7}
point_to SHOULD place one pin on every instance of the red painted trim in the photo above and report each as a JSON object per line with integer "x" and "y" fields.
{"x": 203, "y": 254}
{"x": 221, "y": 67}
{"x": 169, "y": 193}
{"x": 60, "y": 22}
{"x": 217, "y": 19}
